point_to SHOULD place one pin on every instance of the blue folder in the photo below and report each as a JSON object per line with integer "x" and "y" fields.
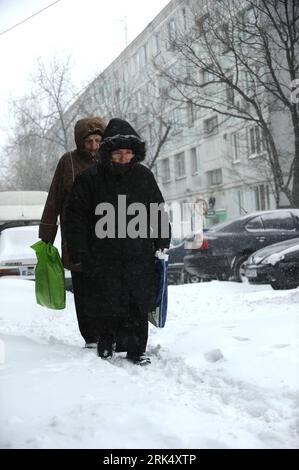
{"x": 158, "y": 315}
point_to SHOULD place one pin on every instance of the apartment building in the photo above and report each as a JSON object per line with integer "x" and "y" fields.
{"x": 205, "y": 157}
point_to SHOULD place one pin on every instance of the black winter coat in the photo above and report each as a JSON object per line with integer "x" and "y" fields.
{"x": 116, "y": 270}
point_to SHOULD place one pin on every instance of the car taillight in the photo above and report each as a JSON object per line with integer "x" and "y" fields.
{"x": 9, "y": 272}
{"x": 205, "y": 244}
{"x": 197, "y": 243}
{"x": 202, "y": 244}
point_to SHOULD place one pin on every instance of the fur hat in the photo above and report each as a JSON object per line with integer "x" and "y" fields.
{"x": 88, "y": 126}
{"x": 119, "y": 134}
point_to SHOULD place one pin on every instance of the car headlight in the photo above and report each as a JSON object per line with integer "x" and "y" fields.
{"x": 272, "y": 259}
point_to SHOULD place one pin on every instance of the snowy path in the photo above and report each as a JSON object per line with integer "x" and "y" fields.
{"x": 224, "y": 377}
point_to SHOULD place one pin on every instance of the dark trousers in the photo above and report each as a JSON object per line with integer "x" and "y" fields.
{"x": 130, "y": 334}
{"x": 86, "y": 327}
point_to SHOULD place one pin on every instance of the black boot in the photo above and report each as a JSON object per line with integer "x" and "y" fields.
{"x": 139, "y": 359}
{"x": 105, "y": 348}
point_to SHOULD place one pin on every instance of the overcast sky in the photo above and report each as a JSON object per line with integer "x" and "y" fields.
{"x": 92, "y": 31}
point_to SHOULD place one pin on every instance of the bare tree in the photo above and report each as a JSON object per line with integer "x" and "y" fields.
{"x": 146, "y": 107}
{"x": 42, "y": 126}
{"x": 240, "y": 59}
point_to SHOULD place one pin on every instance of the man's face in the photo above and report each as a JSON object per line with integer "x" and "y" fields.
{"x": 92, "y": 143}
{"x": 122, "y": 155}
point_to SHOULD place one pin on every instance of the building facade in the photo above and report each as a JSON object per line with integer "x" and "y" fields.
{"x": 203, "y": 156}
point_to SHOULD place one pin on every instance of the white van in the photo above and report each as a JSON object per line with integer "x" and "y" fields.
{"x": 19, "y": 208}
{"x": 20, "y": 215}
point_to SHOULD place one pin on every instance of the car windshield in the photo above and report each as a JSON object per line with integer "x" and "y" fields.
{"x": 277, "y": 247}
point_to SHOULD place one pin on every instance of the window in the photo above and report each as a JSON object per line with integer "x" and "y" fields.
{"x": 225, "y": 38}
{"x": 283, "y": 221}
{"x": 249, "y": 81}
{"x": 144, "y": 48}
{"x": 156, "y": 44}
{"x": 211, "y": 125}
{"x": 138, "y": 100}
{"x": 190, "y": 114}
{"x": 185, "y": 215}
{"x": 235, "y": 143}
{"x": 207, "y": 76}
{"x": 246, "y": 24}
{"x": 230, "y": 93}
{"x": 256, "y": 144}
{"x": 155, "y": 87}
{"x": 126, "y": 72}
{"x": 141, "y": 57}
{"x": 202, "y": 24}
{"x": 135, "y": 64}
{"x": 165, "y": 170}
{"x": 176, "y": 120}
{"x": 214, "y": 177}
{"x": 262, "y": 197}
{"x": 171, "y": 32}
{"x": 163, "y": 90}
{"x": 254, "y": 224}
{"x": 184, "y": 18}
{"x": 180, "y": 169}
{"x": 194, "y": 161}
{"x": 151, "y": 132}
{"x": 190, "y": 73}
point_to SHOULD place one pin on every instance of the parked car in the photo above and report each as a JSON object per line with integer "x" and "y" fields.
{"x": 16, "y": 256}
{"x": 176, "y": 270}
{"x": 277, "y": 265}
{"x": 226, "y": 247}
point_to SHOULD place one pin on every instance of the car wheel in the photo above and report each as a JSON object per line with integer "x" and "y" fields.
{"x": 192, "y": 279}
{"x": 283, "y": 284}
{"x": 239, "y": 268}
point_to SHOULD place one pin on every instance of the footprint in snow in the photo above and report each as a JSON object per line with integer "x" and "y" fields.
{"x": 241, "y": 338}
{"x": 214, "y": 355}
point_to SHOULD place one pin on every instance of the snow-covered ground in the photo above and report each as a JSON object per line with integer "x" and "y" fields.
{"x": 224, "y": 374}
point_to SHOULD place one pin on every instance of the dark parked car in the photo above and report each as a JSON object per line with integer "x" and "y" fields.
{"x": 227, "y": 246}
{"x": 277, "y": 265}
{"x": 176, "y": 270}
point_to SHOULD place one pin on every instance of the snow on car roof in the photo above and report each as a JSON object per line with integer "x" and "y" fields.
{"x": 15, "y": 244}
{"x": 275, "y": 257}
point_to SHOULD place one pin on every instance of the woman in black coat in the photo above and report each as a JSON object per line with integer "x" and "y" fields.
{"x": 115, "y": 246}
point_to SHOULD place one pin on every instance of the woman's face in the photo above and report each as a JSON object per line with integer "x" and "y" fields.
{"x": 92, "y": 143}
{"x": 122, "y": 155}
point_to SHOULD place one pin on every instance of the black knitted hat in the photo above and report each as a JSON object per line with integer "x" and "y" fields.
{"x": 119, "y": 134}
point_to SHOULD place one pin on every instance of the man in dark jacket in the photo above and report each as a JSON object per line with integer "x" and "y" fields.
{"x": 88, "y": 136}
{"x": 119, "y": 265}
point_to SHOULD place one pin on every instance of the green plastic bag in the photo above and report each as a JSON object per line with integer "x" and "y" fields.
{"x": 49, "y": 276}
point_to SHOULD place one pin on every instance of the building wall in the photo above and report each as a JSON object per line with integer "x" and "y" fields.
{"x": 233, "y": 179}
